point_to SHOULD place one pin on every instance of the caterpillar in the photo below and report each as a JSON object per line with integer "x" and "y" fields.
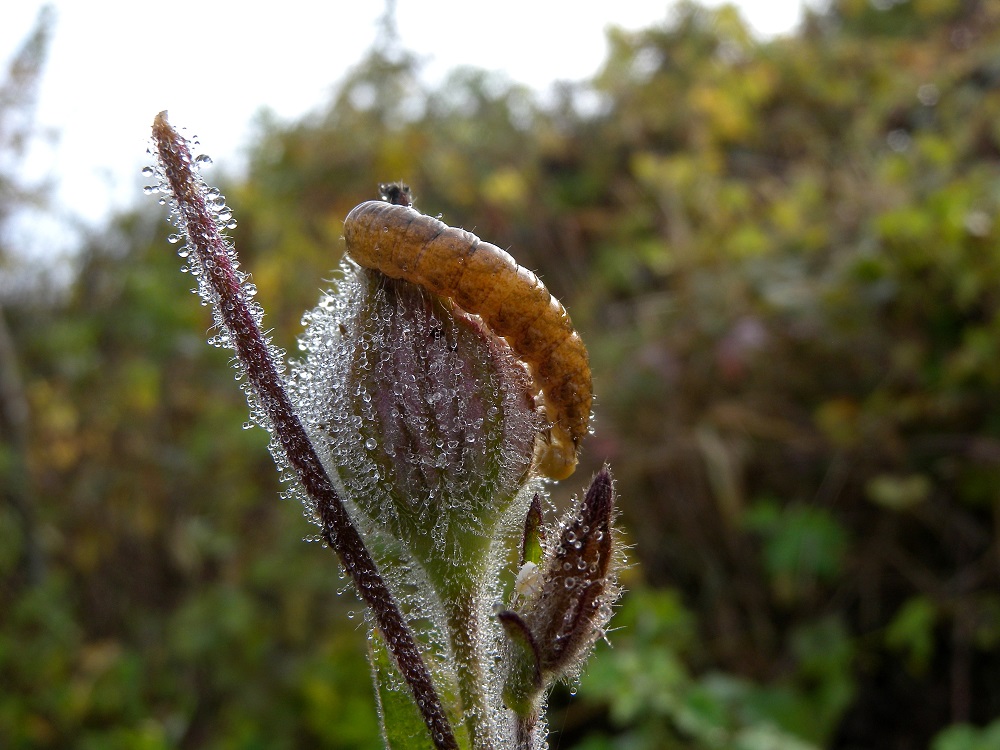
{"x": 484, "y": 280}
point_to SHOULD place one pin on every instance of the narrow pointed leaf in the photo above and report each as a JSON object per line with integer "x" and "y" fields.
{"x": 531, "y": 542}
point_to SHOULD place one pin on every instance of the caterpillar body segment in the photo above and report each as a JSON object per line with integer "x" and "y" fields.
{"x": 470, "y": 293}
{"x": 486, "y": 281}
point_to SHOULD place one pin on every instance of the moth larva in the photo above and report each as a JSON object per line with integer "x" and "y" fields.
{"x": 484, "y": 280}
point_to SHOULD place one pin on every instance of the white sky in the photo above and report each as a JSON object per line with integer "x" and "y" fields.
{"x": 113, "y": 65}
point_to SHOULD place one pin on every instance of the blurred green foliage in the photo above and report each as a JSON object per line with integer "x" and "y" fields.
{"x": 785, "y": 259}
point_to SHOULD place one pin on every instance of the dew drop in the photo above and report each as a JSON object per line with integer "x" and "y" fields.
{"x": 174, "y": 239}
{"x": 202, "y": 159}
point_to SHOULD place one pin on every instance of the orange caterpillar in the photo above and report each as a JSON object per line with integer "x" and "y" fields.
{"x": 484, "y": 280}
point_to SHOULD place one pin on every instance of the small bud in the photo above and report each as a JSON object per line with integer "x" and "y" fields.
{"x": 552, "y": 631}
{"x": 533, "y": 535}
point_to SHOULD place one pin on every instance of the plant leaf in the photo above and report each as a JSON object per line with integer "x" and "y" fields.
{"x": 402, "y": 725}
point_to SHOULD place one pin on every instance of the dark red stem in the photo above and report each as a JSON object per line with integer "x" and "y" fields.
{"x": 252, "y": 350}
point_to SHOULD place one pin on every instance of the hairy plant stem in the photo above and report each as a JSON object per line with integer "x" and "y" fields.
{"x": 465, "y": 630}
{"x": 264, "y": 376}
{"x": 524, "y": 728}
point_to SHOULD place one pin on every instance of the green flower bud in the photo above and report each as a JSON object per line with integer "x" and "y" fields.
{"x": 426, "y": 417}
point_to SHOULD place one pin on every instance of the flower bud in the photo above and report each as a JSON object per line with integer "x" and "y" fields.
{"x": 566, "y": 609}
{"x": 428, "y": 418}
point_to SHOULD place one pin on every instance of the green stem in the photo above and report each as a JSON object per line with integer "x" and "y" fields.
{"x": 466, "y": 634}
